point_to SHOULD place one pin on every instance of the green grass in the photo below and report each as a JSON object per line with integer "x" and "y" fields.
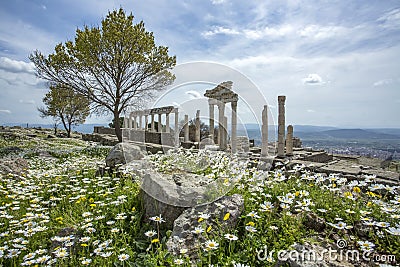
{"x": 108, "y": 228}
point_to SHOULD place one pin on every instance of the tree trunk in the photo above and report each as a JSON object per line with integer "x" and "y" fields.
{"x": 117, "y": 127}
{"x": 69, "y": 130}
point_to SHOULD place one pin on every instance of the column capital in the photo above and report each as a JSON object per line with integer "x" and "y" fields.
{"x": 281, "y": 98}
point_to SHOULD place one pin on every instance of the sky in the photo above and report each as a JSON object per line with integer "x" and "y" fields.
{"x": 337, "y": 62}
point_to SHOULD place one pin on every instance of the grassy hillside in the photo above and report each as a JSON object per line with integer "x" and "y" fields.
{"x": 59, "y": 212}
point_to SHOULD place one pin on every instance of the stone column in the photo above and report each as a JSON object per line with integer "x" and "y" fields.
{"x": 176, "y": 127}
{"x": 134, "y": 121}
{"x": 234, "y": 126}
{"x": 159, "y": 128}
{"x": 221, "y": 116}
{"x": 225, "y": 131}
{"x": 197, "y": 133}
{"x": 146, "y": 122}
{"x": 152, "y": 123}
{"x": 140, "y": 120}
{"x": 167, "y": 123}
{"x": 126, "y": 122}
{"x": 130, "y": 122}
{"x": 281, "y": 126}
{"x": 186, "y": 128}
{"x": 211, "y": 114}
{"x": 264, "y": 131}
{"x": 289, "y": 141}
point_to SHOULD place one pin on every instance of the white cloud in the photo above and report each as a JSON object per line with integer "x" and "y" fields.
{"x": 220, "y": 30}
{"x": 217, "y": 2}
{"x": 310, "y": 110}
{"x": 16, "y": 66}
{"x": 280, "y": 31}
{"x": 391, "y": 19}
{"x": 6, "y": 111}
{"x": 383, "y": 82}
{"x": 312, "y": 78}
{"x": 321, "y": 32}
{"x": 193, "y": 94}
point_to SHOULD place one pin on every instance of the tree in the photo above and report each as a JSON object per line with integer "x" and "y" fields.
{"x": 121, "y": 122}
{"x": 115, "y": 66}
{"x": 65, "y": 105}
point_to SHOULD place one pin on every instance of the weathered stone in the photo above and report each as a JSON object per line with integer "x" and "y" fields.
{"x": 123, "y": 153}
{"x": 243, "y": 144}
{"x": 394, "y": 176}
{"x": 311, "y": 255}
{"x": 15, "y": 166}
{"x": 182, "y": 235}
{"x": 281, "y": 126}
{"x": 206, "y": 142}
{"x": 103, "y": 139}
{"x": 313, "y": 221}
{"x": 362, "y": 230}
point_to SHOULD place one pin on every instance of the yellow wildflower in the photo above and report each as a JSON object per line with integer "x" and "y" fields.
{"x": 226, "y": 217}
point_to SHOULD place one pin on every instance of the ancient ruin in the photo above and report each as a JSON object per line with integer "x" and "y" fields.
{"x": 219, "y": 96}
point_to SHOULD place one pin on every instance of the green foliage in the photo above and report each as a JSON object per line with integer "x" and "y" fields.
{"x": 56, "y": 194}
{"x": 65, "y": 105}
{"x": 115, "y": 65}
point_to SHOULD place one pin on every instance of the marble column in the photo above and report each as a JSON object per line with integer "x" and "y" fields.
{"x": 221, "y": 116}
{"x": 130, "y": 123}
{"x": 264, "y": 131}
{"x": 126, "y": 122}
{"x": 289, "y": 141}
{"x": 146, "y": 122}
{"x": 186, "y": 128}
{"x": 141, "y": 120}
{"x": 159, "y": 128}
{"x": 176, "y": 127}
{"x": 234, "y": 126}
{"x": 211, "y": 114}
{"x": 281, "y": 126}
{"x": 134, "y": 122}
{"x": 167, "y": 123}
{"x": 152, "y": 123}
{"x": 197, "y": 124}
{"x": 225, "y": 131}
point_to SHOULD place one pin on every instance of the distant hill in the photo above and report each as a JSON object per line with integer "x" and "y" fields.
{"x": 312, "y": 128}
{"x": 350, "y": 134}
{"x": 82, "y": 128}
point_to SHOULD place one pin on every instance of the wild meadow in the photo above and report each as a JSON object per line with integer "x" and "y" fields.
{"x": 61, "y": 212}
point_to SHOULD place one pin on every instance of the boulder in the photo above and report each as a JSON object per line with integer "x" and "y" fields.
{"x": 15, "y": 166}
{"x": 314, "y": 222}
{"x": 123, "y": 153}
{"x": 312, "y": 255}
{"x": 182, "y": 235}
{"x": 206, "y": 142}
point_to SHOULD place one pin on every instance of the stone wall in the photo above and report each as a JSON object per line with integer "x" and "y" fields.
{"x": 320, "y": 157}
{"x": 167, "y": 139}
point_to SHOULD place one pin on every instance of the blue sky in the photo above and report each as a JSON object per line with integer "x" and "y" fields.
{"x": 336, "y": 61}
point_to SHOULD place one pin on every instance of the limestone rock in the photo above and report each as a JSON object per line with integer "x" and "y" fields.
{"x": 182, "y": 235}
{"x": 308, "y": 255}
{"x": 206, "y": 142}
{"x": 15, "y": 166}
{"x": 313, "y": 221}
{"x": 123, "y": 153}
